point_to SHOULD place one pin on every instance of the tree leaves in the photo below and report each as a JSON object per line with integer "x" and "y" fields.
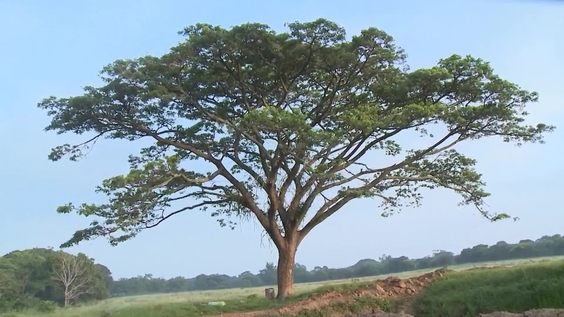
{"x": 285, "y": 122}
{"x": 26, "y": 277}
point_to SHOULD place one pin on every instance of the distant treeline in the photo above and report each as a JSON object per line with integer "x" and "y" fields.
{"x": 545, "y": 246}
{"x": 38, "y": 277}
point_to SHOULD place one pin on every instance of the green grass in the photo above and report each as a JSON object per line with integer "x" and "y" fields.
{"x": 188, "y": 304}
{"x": 516, "y": 289}
{"x": 136, "y": 308}
{"x": 364, "y": 304}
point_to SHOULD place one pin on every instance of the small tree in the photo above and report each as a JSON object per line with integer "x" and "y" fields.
{"x": 286, "y": 123}
{"x": 75, "y": 275}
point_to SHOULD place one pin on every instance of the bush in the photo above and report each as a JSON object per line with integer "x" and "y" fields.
{"x": 46, "y": 306}
{"x": 24, "y": 302}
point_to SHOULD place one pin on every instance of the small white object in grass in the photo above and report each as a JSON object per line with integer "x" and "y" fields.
{"x": 222, "y": 303}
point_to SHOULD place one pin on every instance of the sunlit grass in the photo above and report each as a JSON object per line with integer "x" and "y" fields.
{"x": 516, "y": 289}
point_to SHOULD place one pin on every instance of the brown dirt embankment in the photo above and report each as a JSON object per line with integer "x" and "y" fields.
{"x": 389, "y": 288}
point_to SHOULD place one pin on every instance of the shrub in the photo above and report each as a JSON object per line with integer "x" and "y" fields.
{"x": 46, "y": 306}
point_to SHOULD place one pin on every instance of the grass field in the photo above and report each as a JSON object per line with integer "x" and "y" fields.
{"x": 516, "y": 289}
{"x": 474, "y": 287}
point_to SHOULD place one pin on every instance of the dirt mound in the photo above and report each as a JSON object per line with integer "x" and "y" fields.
{"x": 391, "y": 287}
{"x": 530, "y": 313}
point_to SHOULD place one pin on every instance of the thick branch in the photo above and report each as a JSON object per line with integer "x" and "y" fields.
{"x": 248, "y": 201}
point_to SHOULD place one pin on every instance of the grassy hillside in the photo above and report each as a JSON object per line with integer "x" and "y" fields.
{"x": 515, "y": 289}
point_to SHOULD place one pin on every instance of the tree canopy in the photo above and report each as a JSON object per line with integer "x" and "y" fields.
{"x": 285, "y": 122}
{"x": 29, "y": 279}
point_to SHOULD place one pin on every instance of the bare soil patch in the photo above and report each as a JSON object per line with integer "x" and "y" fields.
{"x": 389, "y": 288}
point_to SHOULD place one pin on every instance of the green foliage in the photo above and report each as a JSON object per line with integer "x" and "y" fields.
{"x": 28, "y": 280}
{"x": 78, "y": 275}
{"x": 518, "y": 289}
{"x": 284, "y": 120}
{"x": 46, "y": 306}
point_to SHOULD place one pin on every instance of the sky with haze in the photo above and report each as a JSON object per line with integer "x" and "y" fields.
{"x": 57, "y": 47}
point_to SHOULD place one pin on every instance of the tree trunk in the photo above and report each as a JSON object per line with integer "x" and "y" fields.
{"x": 286, "y": 261}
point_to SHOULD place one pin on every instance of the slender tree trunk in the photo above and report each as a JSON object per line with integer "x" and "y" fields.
{"x": 67, "y": 299}
{"x": 286, "y": 261}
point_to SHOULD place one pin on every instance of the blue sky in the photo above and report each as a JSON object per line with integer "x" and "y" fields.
{"x": 56, "y": 47}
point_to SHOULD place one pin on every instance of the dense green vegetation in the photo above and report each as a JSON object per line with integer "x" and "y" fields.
{"x": 27, "y": 277}
{"x": 516, "y": 289}
{"x": 44, "y": 278}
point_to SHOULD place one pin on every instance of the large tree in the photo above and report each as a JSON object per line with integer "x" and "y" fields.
{"x": 288, "y": 125}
